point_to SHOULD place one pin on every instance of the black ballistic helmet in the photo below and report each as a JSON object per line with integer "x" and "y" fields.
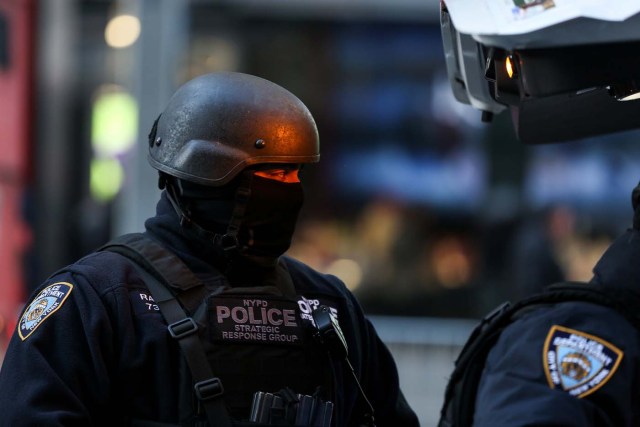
{"x": 218, "y": 124}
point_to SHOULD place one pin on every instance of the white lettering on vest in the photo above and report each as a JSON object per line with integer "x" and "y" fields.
{"x": 222, "y": 313}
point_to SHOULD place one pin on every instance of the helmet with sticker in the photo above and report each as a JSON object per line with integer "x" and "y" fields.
{"x": 562, "y": 72}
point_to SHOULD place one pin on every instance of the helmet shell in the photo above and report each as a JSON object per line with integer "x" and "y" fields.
{"x": 218, "y": 124}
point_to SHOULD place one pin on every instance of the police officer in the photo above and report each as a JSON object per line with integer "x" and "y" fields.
{"x": 566, "y": 357}
{"x": 93, "y": 346}
{"x": 575, "y": 363}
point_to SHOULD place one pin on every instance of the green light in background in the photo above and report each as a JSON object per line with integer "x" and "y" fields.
{"x": 114, "y": 122}
{"x": 106, "y": 178}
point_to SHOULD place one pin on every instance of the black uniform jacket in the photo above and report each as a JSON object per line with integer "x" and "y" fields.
{"x": 570, "y": 364}
{"x": 92, "y": 348}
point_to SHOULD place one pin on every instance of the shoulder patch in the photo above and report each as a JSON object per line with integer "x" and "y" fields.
{"x": 578, "y": 363}
{"x": 48, "y": 301}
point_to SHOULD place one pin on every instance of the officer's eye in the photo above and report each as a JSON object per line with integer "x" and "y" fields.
{"x": 285, "y": 173}
{"x": 279, "y": 173}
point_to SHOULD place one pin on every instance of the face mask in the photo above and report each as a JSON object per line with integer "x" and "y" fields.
{"x": 270, "y": 217}
{"x": 209, "y": 207}
{"x": 212, "y": 215}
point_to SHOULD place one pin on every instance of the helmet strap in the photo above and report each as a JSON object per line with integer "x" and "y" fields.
{"x": 229, "y": 241}
{"x": 184, "y": 215}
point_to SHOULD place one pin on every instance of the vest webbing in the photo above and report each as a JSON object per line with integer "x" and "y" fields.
{"x": 164, "y": 273}
{"x": 460, "y": 395}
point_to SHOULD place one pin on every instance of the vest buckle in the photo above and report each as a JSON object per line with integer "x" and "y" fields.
{"x": 182, "y": 328}
{"x": 209, "y": 389}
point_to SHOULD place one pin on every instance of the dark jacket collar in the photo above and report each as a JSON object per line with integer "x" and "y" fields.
{"x": 618, "y": 269}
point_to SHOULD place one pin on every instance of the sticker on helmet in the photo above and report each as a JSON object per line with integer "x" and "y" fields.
{"x": 48, "y": 301}
{"x": 578, "y": 363}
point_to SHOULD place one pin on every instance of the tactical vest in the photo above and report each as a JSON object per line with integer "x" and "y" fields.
{"x": 460, "y": 395}
{"x": 235, "y": 341}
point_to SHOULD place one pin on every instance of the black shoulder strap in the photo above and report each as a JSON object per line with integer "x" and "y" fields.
{"x": 163, "y": 264}
{"x": 162, "y": 271}
{"x": 460, "y": 394}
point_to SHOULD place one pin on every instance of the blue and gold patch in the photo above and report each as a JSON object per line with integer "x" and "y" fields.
{"x": 578, "y": 363}
{"x": 44, "y": 305}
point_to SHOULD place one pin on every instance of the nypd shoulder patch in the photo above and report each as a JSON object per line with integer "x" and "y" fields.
{"x": 48, "y": 301}
{"x": 578, "y": 363}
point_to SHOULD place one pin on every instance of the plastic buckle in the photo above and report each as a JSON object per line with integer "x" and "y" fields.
{"x": 209, "y": 389}
{"x": 182, "y": 328}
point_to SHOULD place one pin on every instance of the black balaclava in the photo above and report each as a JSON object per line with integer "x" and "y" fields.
{"x": 270, "y": 217}
{"x": 258, "y": 228}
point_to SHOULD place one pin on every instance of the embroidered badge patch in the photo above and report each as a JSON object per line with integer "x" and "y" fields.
{"x": 44, "y": 305}
{"x": 578, "y": 363}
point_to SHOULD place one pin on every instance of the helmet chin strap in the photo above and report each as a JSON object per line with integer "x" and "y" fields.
{"x": 185, "y": 216}
{"x": 228, "y": 242}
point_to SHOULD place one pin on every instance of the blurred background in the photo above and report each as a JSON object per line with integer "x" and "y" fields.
{"x": 429, "y": 215}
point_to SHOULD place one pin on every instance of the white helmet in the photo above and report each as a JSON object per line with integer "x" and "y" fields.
{"x": 560, "y": 66}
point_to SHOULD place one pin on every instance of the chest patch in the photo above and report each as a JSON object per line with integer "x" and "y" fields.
{"x": 308, "y": 305}
{"x": 578, "y": 363}
{"x": 255, "y": 320}
{"x": 47, "y": 302}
